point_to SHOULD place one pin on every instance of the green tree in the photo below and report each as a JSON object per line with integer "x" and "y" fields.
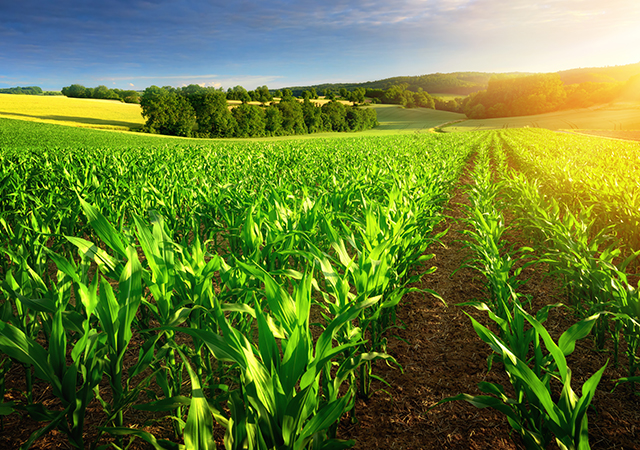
{"x": 424, "y": 100}
{"x": 167, "y": 112}
{"x": 287, "y": 96}
{"x": 273, "y": 121}
{"x": 238, "y": 93}
{"x": 74, "y": 91}
{"x": 357, "y": 95}
{"x": 263, "y": 95}
{"x": 212, "y": 113}
{"x": 335, "y": 116}
{"x": 250, "y": 120}
{"x": 312, "y": 116}
{"x": 292, "y": 116}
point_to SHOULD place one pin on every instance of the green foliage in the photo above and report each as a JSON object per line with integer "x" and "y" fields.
{"x": 532, "y": 412}
{"x": 167, "y": 112}
{"x": 536, "y": 94}
{"x": 176, "y": 112}
{"x": 250, "y": 120}
{"x": 101, "y": 92}
{"x": 26, "y": 90}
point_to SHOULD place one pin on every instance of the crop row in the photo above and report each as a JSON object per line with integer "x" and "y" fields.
{"x": 581, "y": 256}
{"x": 583, "y": 172}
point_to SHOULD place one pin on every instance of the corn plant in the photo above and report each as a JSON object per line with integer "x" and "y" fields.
{"x": 73, "y": 384}
{"x": 289, "y": 397}
{"x": 533, "y": 412}
{"x": 587, "y": 262}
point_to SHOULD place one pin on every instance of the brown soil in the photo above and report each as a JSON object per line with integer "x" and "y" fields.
{"x": 441, "y": 357}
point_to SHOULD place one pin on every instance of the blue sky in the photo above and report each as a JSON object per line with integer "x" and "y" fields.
{"x": 138, "y": 43}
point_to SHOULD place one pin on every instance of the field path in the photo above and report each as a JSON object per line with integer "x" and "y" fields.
{"x": 442, "y": 357}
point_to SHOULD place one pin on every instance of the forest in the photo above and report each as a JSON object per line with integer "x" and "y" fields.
{"x": 102, "y": 93}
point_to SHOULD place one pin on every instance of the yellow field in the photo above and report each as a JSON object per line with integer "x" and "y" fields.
{"x": 106, "y": 114}
{"x": 620, "y": 116}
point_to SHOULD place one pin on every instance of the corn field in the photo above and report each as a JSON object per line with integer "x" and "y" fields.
{"x": 247, "y": 291}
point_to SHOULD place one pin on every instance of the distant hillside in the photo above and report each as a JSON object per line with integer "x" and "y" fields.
{"x": 610, "y": 74}
{"x": 458, "y": 83}
{"x": 465, "y": 83}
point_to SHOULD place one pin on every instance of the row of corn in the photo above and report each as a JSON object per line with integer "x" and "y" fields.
{"x": 544, "y": 406}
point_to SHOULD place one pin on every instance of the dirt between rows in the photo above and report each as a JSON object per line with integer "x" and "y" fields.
{"x": 441, "y": 356}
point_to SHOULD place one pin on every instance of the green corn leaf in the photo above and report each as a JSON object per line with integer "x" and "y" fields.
{"x": 198, "y": 431}
{"x": 555, "y": 351}
{"x": 165, "y": 404}
{"x": 279, "y": 300}
{"x": 524, "y": 373}
{"x": 351, "y": 364}
{"x": 295, "y": 415}
{"x": 579, "y": 418}
{"x": 580, "y": 330}
{"x": 16, "y": 344}
{"x": 324, "y": 418}
{"x": 295, "y": 358}
{"x": 107, "y": 310}
{"x": 103, "y": 228}
{"x": 130, "y": 296}
{"x": 483, "y": 401}
{"x": 157, "y": 444}
{"x": 58, "y": 346}
{"x": 108, "y": 264}
{"x": 267, "y": 344}
{"x": 6, "y": 408}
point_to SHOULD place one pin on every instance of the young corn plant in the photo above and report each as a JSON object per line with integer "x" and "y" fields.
{"x": 378, "y": 268}
{"x": 73, "y": 383}
{"x": 289, "y": 396}
{"x": 590, "y": 265}
{"x": 533, "y": 412}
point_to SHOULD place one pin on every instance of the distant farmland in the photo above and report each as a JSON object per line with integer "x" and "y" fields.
{"x": 622, "y": 116}
{"x": 394, "y": 119}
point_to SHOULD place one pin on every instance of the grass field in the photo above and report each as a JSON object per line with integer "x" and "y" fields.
{"x": 621, "y": 116}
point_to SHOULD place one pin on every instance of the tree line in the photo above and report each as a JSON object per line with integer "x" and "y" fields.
{"x": 404, "y": 95}
{"x": 102, "y": 93}
{"x": 26, "y": 90}
{"x": 195, "y": 111}
{"x": 537, "y": 94}
{"x": 458, "y": 83}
